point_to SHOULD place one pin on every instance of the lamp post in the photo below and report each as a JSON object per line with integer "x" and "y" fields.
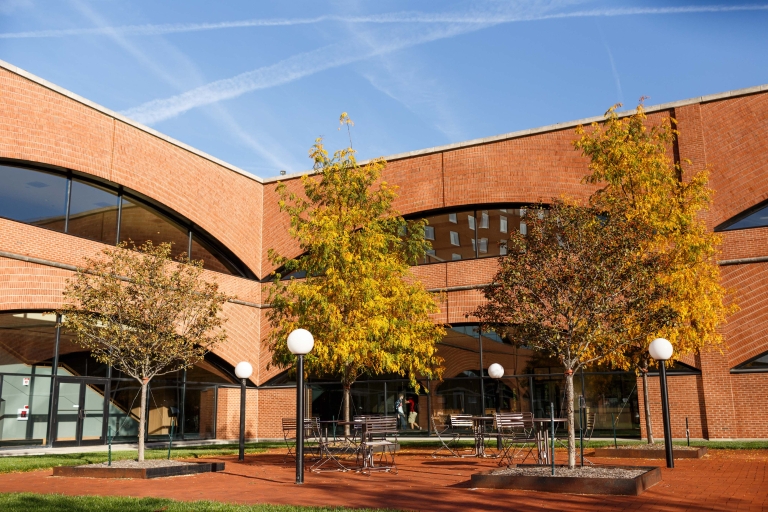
{"x": 661, "y": 350}
{"x": 300, "y": 343}
{"x": 243, "y": 371}
{"x": 496, "y": 372}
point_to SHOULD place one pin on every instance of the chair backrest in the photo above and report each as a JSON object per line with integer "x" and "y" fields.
{"x": 440, "y": 421}
{"x": 309, "y": 423}
{"x": 461, "y": 421}
{"x": 381, "y": 425}
{"x": 514, "y": 421}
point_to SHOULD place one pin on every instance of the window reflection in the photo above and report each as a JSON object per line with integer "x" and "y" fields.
{"x": 453, "y": 236}
{"x": 77, "y": 207}
{"x": 471, "y": 234}
{"x": 93, "y": 213}
{"x": 211, "y": 259}
{"x": 139, "y": 223}
{"x": 34, "y": 197}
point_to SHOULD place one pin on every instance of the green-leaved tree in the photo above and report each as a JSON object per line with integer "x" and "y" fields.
{"x": 356, "y": 294}
{"x": 632, "y": 160}
{"x": 143, "y": 313}
{"x": 568, "y": 287}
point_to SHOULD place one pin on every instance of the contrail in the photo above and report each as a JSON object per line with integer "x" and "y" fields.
{"x": 403, "y": 17}
{"x": 288, "y": 70}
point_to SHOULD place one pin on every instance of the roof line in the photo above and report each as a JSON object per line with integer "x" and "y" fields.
{"x": 88, "y": 103}
{"x": 547, "y": 128}
{"x": 397, "y": 156}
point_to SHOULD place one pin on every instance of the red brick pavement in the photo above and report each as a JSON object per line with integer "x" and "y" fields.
{"x": 723, "y": 480}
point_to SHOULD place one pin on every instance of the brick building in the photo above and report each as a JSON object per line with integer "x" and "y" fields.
{"x": 75, "y": 176}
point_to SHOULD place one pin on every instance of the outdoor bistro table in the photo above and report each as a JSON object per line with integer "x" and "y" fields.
{"x": 331, "y": 450}
{"x": 478, "y": 427}
{"x": 542, "y": 437}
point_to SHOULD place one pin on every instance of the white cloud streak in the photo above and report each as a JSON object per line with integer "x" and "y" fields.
{"x": 285, "y": 71}
{"x": 468, "y": 18}
{"x": 274, "y": 154}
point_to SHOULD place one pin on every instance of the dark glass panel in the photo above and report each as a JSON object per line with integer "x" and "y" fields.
{"x": 610, "y": 397}
{"x": 76, "y": 361}
{"x": 27, "y": 342}
{"x": 93, "y": 213}
{"x": 757, "y": 219}
{"x": 24, "y": 403}
{"x": 493, "y": 230}
{"x": 199, "y": 412}
{"x": 212, "y": 260}
{"x": 759, "y": 363}
{"x": 34, "y": 197}
{"x": 452, "y": 236}
{"x": 124, "y": 409}
{"x": 164, "y": 404}
{"x": 139, "y": 223}
{"x": 206, "y": 372}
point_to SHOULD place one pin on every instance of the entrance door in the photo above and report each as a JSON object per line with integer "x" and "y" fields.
{"x": 80, "y": 406}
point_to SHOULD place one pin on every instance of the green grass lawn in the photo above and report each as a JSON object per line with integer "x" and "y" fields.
{"x": 33, "y": 462}
{"x": 59, "y": 503}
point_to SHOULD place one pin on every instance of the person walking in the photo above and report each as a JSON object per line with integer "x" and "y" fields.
{"x": 413, "y": 412}
{"x": 400, "y": 409}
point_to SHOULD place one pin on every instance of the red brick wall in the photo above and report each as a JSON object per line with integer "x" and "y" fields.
{"x": 685, "y": 401}
{"x": 728, "y": 136}
{"x": 228, "y": 414}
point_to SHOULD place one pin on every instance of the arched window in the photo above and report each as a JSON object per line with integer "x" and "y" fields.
{"x": 106, "y": 213}
{"x": 463, "y": 234}
{"x": 754, "y": 217}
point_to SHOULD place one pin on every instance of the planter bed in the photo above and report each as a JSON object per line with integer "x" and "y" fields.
{"x": 133, "y": 469}
{"x": 630, "y": 452}
{"x": 621, "y": 480}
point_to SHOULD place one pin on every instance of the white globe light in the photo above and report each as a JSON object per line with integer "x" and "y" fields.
{"x": 496, "y": 371}
{"x": 243, "y": 370}
{"x": 661, "y": 349}
{"x": 300, "y": 342}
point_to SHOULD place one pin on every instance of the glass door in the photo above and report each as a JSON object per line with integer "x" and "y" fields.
{"x": 79, "y": 411}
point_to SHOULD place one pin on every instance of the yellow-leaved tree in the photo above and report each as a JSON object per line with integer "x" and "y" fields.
{"x": 632, "y": 160}
{"x": 355, "y": 293}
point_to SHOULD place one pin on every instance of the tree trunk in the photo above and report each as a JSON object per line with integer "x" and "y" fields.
{"x": 571, "y": 429}
{"x": 648, "y": 427}
{"x": 346, "y": 407}
{"x": 142, "y": 417}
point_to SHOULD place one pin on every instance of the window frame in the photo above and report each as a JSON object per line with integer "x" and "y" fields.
{"x": 237, "y": 267}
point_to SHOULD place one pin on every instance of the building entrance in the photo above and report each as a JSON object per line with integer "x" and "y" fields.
{"x": 80, "y": 407}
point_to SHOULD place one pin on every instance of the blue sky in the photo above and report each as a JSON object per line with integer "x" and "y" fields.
{"x": 254, "y": 83}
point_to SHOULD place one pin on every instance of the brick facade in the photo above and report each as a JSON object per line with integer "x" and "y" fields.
{"x": 43, "y": 126}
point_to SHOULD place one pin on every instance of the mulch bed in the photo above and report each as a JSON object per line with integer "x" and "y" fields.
{"x": 578, "y": 472}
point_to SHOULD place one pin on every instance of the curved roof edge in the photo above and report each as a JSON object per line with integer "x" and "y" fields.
{"x": 397, "y": 156}
{"x": 88, "y": 103}
{"x": 547, "y": 128}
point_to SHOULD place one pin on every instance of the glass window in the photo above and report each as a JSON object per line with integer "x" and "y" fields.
{"x": 34, "y": 197}
{"x": 24, "y": 403}
{"x": 757, "y": 219}
{"x": 429, "y": 232}
{"x": 498, "y": 225}
{"x": 212, "y": 260}
{"x": 453, "y": 236}
{"x": 758, "y": 363}
{"x": 93, "y": 213}
{"x": 139, "y": 223}
{"x": 27, "y": 342}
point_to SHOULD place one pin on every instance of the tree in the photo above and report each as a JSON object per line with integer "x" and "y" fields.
{"x": 357, "y": 295}
{"x": 568, "y": 286}
{"x": 143, "y": 313}
{"x": 632, "y": 161}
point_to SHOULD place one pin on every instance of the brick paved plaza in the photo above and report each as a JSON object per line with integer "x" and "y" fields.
{"x": 724, "y": 480}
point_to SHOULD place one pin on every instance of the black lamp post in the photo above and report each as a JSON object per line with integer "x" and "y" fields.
{"x": 300, "y": 343}
{"x": 661, "y": 350}
{"x": 496, "y": 372}
{"x": 243, "y": 371}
